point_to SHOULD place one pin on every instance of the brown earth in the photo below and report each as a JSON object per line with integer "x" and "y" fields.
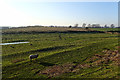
{"x": 58, "y": 69}
{"x": 96, "y": 60}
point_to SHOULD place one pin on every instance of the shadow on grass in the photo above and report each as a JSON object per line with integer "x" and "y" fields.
{"x": 46, "y": 64}
{"x": 34, "y": 51}
{"x": 35, "y": 32}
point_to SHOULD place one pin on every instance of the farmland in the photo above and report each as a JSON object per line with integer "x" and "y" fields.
{"x": 63, "y": 53}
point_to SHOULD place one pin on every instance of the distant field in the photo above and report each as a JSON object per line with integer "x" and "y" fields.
{"x": 106, "y": 29}
{"x": 61, "y": 55}
{"x": 43, "y": 29}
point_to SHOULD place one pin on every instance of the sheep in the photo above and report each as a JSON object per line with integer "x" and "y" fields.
{"x": 33, "y": 56}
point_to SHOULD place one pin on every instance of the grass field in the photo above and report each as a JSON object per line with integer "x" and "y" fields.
{"x": 61, "y": 55}
{"x": 106, "y": 29}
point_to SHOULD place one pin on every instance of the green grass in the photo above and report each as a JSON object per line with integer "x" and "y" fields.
{"x": 72, "y": 47}
{"x": 106, "y": 29}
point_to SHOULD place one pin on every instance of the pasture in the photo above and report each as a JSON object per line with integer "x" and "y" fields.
{"x": 63, "y": 53}
{"x": 106, "y": 29}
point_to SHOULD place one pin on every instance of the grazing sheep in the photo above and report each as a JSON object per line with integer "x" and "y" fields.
{"x": 33, "y": 56}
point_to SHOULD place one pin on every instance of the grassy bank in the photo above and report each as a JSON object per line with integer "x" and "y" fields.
{"x": 57, "y": 49}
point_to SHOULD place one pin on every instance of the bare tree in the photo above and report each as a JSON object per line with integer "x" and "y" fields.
{"x": 83, "y": 25}
{"x": 96, "y": 25}
{"x": 105, "y": 26}
{"x": 89, "y": 25}
{"x": 112, "y": 25}
{"x": 76, "y": 25}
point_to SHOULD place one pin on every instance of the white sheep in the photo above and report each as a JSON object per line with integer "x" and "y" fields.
{"x": 33, "y": 56}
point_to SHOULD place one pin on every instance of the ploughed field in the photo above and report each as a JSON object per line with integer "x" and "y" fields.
{"x": 63, "y": 53}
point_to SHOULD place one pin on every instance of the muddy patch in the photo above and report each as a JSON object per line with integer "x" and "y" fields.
{"x": 58, "y": 70}
{"x": 109, "y": 56}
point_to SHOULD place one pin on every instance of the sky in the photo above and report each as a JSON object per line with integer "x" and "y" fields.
{"x": 36, "y": 12}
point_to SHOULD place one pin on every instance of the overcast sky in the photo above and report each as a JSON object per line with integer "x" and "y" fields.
{"x": 36, "y": 12}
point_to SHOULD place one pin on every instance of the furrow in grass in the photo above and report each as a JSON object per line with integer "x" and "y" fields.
{"x": 76, "y": 54}
{"x": 56, "y": 56}
{"x": 33, "y": 51}
{"x": 25, "y": 55}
